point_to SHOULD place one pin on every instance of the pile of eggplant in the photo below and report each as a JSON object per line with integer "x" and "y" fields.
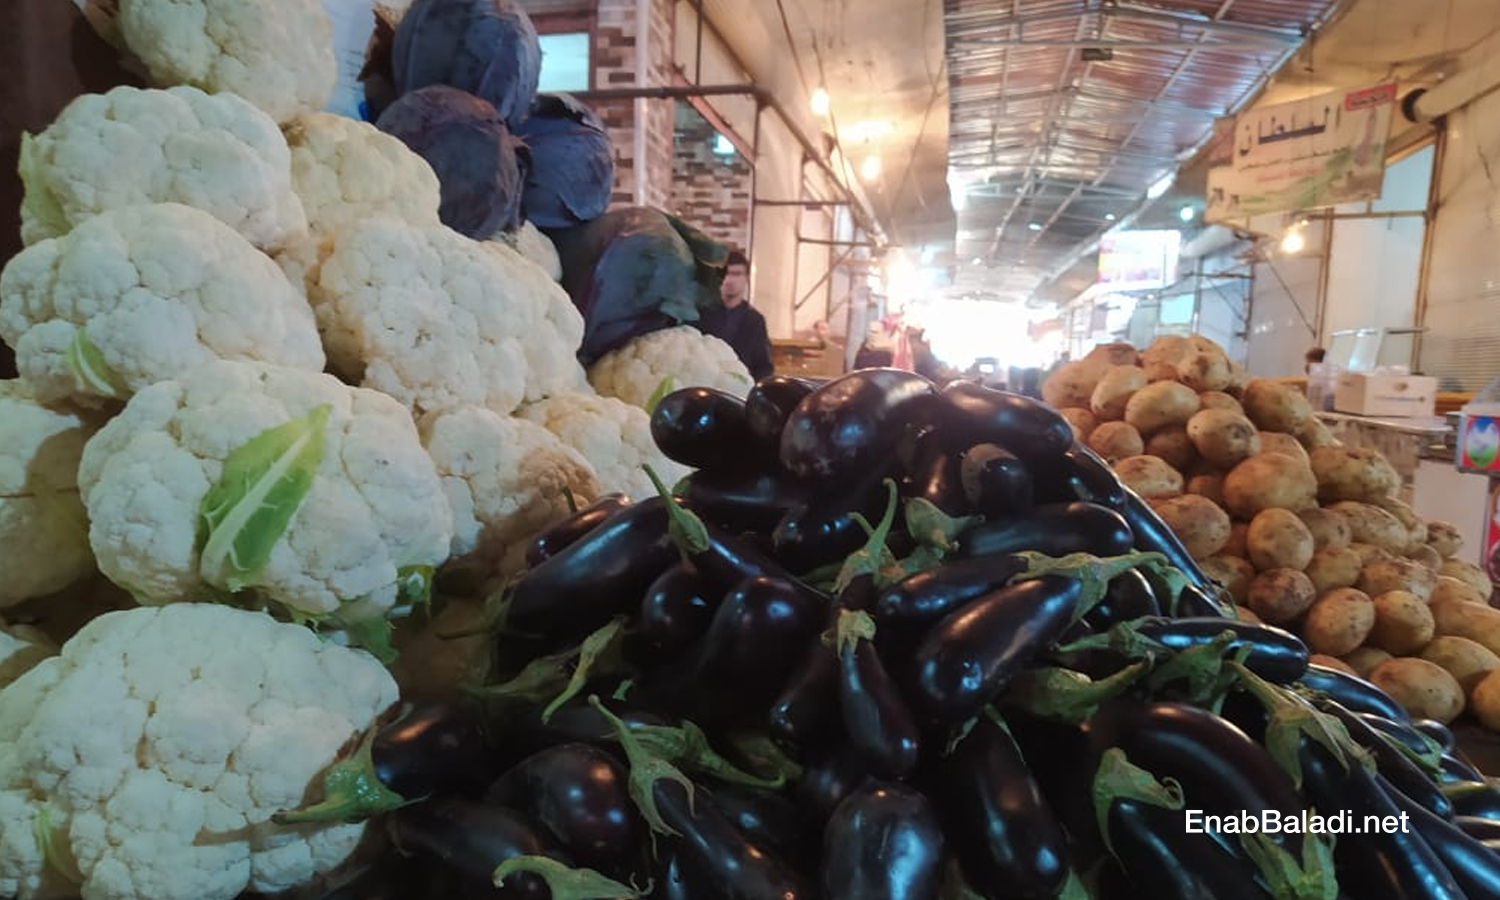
{"x": 892, "y": 641}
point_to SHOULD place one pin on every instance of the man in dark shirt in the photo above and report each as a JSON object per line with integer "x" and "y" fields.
{"x": 736, "y": 322}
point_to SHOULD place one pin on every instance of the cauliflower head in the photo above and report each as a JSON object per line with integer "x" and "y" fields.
{"x": 44, "y": 543}
{"x": 277, "y": 55}
{"x": 680, "y": 357}
{"x": 130, "y": 147}
{"x": 144, "y": 293}
{"x": 373, "y": 508}
{"x": 437, "y": 320}
{"x": 505, "y": 479}
{"x": 614, "y": 436}
{"x": 529, "y": 241}
{"x": 150, "y": 755}
{"x": 21, "y": 648}
{"x": 347, "y": 171}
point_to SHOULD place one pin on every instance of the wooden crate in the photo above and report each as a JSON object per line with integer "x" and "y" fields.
{"x": 818, "y": 359}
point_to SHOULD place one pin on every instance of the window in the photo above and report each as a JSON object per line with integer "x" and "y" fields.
{"x": 565, "y": 62}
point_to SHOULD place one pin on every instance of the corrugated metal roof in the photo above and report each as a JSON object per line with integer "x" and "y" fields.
{"x": 1054, "y": 148}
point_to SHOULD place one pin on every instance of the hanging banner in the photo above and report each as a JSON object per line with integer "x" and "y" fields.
{"x": 1322, "y": 151}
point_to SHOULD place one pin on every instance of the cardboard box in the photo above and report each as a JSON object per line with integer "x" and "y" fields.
{"x": 1389, "y": 396}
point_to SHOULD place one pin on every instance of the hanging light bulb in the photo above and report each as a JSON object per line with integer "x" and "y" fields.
{"x": 869, "y": 170}
{"x": 819, "y": 102}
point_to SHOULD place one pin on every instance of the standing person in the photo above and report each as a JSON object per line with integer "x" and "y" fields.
{"x": 736, "y": 322}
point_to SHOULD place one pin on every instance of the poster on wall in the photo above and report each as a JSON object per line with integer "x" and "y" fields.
{"x": 1139, "y": 260}
{"x": 1321, "y": 151}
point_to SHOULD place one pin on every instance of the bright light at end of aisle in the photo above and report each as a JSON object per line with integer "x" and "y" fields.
{"x": 819, "y": 102}
{"x": 869, "y": 170}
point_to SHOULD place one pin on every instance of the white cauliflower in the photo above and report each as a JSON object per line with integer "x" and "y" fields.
{"x": 614, "y": 436}
{"x": 675, "y": 358}
{"x": 529, "y": 241}
{"x": 373, "y": 509}
{"x": 347, "y": 171}
{"x": 144, "y": 293}
{"x": 437, "y": 320}
{"x": 130, "y": 146}
{"x": 21, "y": 648}
{"x": 44, "y": 532}
{"x": 149, "y": 757}
{"x": 505, "y": 479}
{"x": 277, "y": 55}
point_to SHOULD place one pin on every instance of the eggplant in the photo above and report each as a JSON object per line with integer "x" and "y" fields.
{"x": 1486, "y": 830}
{"x": 580, "y": 794}
{"x": 1453, "y": 769}
{"x": 924, "y": 597}
{"x": 970, "y": 655}
{"x": 823, "y": 530}
{"x": 833, "y": 773}
{"x": 770, "y": 403}
{"x": 1438, "y": 732}
{"x": 1005, "y": 835}
{"x": 471, "y": 839}
{"x": 574, "y": 721}
{"x": 753, "y": 641}
{"x": 877, "y": 722}
{"x": 753, "y": 500}
{"x": 1153, "y": 535}
{"x": 717, "y": 859}
{"x": 1059, "y": 755}
{"x": 1275, "y": 654}
{"x": 390, "y": 877}
{"x": 431, "y": 749}
{"x": 1353, "y": 693}
{"x": 1221, "y": 770}
{"x": 670, "y": 884}
{"x": 934, "y": 477}
{"x": 767, "y": 818}
{"x": 847, "y": 427}
{"x": 973, "y": 414}
{"x": 883, "y": 842}
{"x": 704, "y": 428}
{"x": 599, "y": 576}
{"x": 556, "y": 538}
{"x": 1479, "y": 799}
{"x": 995, "y": 481}
{"x": 1475, "y": 867}
{"x": 1127, "y": 596}
{"x": 1053, "y": 530}
{"x": 1404, "y": 733}
{"x": 675, "y": 611}
{"x": 1079, "y": 475}
{"x": 808, "y": 706}
{"x": 1165, "y": 861}
{"x": 1393, "y": 765}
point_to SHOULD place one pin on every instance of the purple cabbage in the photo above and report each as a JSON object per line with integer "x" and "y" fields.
{"x": 488, "y": 48}
{"x": 572, "y": 171}
{"x": 480, "y": 166}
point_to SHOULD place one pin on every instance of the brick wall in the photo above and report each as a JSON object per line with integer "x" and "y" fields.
{"x": 710, "y": 191}
{"x": 615, "y": 36}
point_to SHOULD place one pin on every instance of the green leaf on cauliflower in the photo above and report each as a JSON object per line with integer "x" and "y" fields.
{"x": 88, "y": 366}
{"x": 663, "y": 388}
{"x": 263, "y": 484}
{"x": 41, "y": 202}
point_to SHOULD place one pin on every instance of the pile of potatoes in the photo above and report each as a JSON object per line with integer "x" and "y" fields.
{"x": 1304, "y": 533}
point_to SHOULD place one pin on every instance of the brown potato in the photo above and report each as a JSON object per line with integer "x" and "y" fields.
{"x": 1475, "y": 621}
{"x": 1082, "y": 421}
{"x": 1172, "y": 444}
{"x": 1280, "y": 595}
{"x": 1119, "y": 353}
{"x": 1369, "y": 524}
{"x": 1233, "y": 573}
{"x": 1448, "y": 588}
{"x": 1467, "y": 661}
{"x": 1366, "y": 658}
{"x": 1484, "y": 700}
{"x": 1352, "y": 473}
{"x": 1073, "y": 383}
{"x": 1223, "y": 438}
{"x": 1339, "y": 621}
{"x": 1209, "y": 485}
{"x": 1403, "y": 623}
{"x": 1445, "y": 538}
{"x": 1161, "y": 405}
{"x": 1369, "y": 553}
{"x": 1424, "y": 689}
{"x": 1425, "y": 555}
{"x": 1329, "y": 569}
{"x": 1330, "y": 530}
{"x": 1205, "y": 370}
{"x": 1269, "y": 481}
{"x": 1285, "y": 444}
{"x": 1219, "y": 400}
{"x": 1200, "y": 524}
{"x": 1114, "y": 390}
{"x": 1277, "y": 539}
{"x": 1331, "y": 662}
{"x": 1469, "y": 574}
{"x": 1273, "y": 406}
{"x": 1159, "y": 371}
{"x": 1116, "y": 440}
{"x": 1168, "y": 349}
{"x": 1315, "y": 434}
{"x": 1240, "y": 377}
{"x": 1149, "y": 476}
{"x": 1237, "y": 546}
{"x": 1415, "y": 525}
{"x": 1397, "y": 575}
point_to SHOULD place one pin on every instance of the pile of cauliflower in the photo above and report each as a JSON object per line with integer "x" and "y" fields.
{"x": 262, "y": 388}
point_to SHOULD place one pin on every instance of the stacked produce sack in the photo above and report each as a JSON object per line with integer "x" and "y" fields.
{"x": 1304, "y": 533}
